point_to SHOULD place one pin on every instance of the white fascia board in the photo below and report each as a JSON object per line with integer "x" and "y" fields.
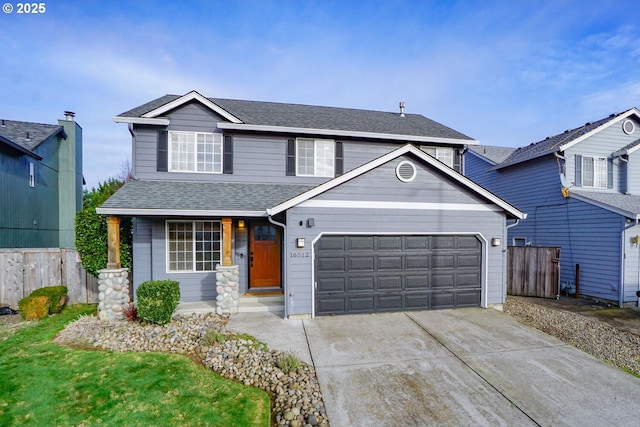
{"x": 179, "y": 212}
{"x": 161, "y": 121}
{"x": 373, "y": 204}
{"x": 604, "y": 206}
{"x": 344, "y": 133}
{"x": 626, "y": 114}
{"x": 408, "y": 148}
{"x": 192, "y": 96}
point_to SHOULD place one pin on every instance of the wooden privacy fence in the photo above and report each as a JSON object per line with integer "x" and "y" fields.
{"x": 533, "y": 271}
{"x": 24, "y": 270}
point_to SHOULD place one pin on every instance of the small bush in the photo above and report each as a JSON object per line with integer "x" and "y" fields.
{"x": 287, "y": 362}
{"x": 34, "y": 307}
{"x": 57, "y": 296}
{"x": 214, "y": 336}
{"x": 157, "y": 300}
{"x": 131, "y": 313}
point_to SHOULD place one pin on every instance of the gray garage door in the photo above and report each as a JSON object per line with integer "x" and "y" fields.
{"x": 370, "y": 274}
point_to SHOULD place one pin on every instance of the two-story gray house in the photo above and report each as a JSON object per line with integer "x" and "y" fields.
{"x": 581, "y": 191}
{"x": 338, "y": 210}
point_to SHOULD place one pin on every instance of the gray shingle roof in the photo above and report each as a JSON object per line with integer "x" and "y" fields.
{"x": 492, "y": 153}
{"x": 617, "y": 202}
{"x": 171, "y": 195}
{"x": 553, "y": 143}
{"x": 16, "y": 132}
{"x": 317, "y": 117}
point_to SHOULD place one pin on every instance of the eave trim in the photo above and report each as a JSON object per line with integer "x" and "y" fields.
{"x": 180, "y": 212}
{"x": 342, "y": 133}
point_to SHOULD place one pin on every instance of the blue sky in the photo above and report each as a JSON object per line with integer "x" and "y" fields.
{"x": 503, "y": 72}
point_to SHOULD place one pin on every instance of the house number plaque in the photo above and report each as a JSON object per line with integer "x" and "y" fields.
{"x": 304, "y": 254}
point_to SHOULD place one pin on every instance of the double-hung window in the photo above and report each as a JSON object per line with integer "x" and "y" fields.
{"x": 444, "y": 154}
{"x": 594, "y": 172}
{"x": 315, "y": 157}
{"x": 195, "y": 152}
{"x": 193, "y": 245}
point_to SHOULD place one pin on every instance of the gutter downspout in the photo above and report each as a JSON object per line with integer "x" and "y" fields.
{"x": 285, "y": 288}
{"x": 504, "y": 270}
{"x": 624, "y": 260}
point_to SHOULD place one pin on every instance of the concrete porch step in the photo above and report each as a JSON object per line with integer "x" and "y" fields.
{"x": 255, "y": 303}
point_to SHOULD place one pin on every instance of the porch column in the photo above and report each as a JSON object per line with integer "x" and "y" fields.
{"x": 113, "y": 242}
{"x": 226, "y": 241}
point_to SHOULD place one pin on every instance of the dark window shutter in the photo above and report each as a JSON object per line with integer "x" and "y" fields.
{"x": 609, "y": 173}
{"x": 578, "y": 170}
{"x": 339, "y": 159}
{"x": 162, "y": 155}
{"x": 457, "y": 160}
{"x": 291, "y": 157}
{"x": 227, "y": 155}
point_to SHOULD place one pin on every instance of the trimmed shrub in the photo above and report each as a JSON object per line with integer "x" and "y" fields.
{"x": 34, "y": 307}
{"x": 57, "y": 296}
{"x": 157, "y": 300}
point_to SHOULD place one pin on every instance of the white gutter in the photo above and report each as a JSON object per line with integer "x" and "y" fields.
{"x": 343, "y": 133}
{"x": 162, "y": 121}
{"x": 178, "y": 212}
{"x": 285, "y": 287}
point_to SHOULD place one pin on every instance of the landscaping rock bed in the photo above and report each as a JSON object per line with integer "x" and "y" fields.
{"x": 295, "y": 396}
{"x": 590, "y": 335}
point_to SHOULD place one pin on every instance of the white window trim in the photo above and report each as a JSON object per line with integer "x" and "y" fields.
{"x": 595, "y": 176}
{"x": 315, "y": 156}
{"x": 193, "y": 261}
{"x": 449, "y": 150}
{"x": 217, "y": 141}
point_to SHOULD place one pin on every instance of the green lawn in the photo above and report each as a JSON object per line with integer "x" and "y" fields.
{"x": 43, "y": 384}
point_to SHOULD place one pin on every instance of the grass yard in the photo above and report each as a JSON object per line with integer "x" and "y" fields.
{"x": 43, "y": 384}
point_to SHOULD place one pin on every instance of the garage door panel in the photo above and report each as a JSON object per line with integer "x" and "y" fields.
{"x": 390, "y": 262}
{"x": 417, "y": 282}
{"x": 331, "y": 264}
{"x": 332, "y": 284}
{"x": 361, "y": 304}
{"x": 360, "y": 243}
{"x": 468, "y": 298}
{"x": 360, "y": 263}
{"x": 389, "y": 303}
{"x": 417, "y": 301}
{"x": 393, "y": 273}
{"x": 417, "y": 261}
{"x": 390, "y": 283}
{"x": 366, "y": 283}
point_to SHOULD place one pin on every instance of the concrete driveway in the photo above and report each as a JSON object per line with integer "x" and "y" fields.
{"x": 450, "y": 367}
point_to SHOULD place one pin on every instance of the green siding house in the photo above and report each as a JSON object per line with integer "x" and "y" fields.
{"x": 40, "y": 183}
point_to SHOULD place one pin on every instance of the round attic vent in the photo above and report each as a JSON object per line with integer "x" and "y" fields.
{"x": 628, "y": 127}
{"x": 405, "y": 171}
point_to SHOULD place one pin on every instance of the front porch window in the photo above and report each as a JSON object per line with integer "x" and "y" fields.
{"x": 193, "y": 245}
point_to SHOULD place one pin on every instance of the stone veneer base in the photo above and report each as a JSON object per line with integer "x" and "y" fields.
{"x": 113, "y": 297}
{"x": 227, "y": 287}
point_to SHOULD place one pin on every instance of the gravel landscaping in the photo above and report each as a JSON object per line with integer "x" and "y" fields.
{"x": 590, "y": 335}
{"x": 295, "y": 396}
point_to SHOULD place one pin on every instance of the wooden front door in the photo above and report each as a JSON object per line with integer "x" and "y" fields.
{"x": 264, "y": 258}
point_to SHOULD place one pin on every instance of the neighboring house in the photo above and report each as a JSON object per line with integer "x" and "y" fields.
{"x": 337, "y": 209}
{"x": 581, "y": 190}
{"x": 40, "y": 183}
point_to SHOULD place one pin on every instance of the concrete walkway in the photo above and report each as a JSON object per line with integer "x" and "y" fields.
{"x": 449, "y": 367}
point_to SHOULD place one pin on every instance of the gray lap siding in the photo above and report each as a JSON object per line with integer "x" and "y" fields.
{"x": 299, "y": 262}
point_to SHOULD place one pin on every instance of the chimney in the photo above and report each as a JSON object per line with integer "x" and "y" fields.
{"x": 401, "y": 108}
{"x": 69, "y": 115}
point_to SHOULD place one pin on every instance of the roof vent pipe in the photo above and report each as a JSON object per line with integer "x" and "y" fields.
{"x": 27, "y": 139}
{"x": 4, "y": 125}
{"x": 401, "y": 108}
{"x": 69, "y": 115}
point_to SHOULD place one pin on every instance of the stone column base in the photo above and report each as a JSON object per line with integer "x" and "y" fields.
{"x": 113, "y": 285}
{"x": 227, "y": 287}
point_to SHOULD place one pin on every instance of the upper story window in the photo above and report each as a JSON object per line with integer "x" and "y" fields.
{"x": 444, "y": 154}
{"x": 315, "y": 157}
{"x": 594, "y": 172}
{"x": 195, "y": 152}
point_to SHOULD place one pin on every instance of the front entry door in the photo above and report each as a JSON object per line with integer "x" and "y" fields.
{"x": 264, "y": 258}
